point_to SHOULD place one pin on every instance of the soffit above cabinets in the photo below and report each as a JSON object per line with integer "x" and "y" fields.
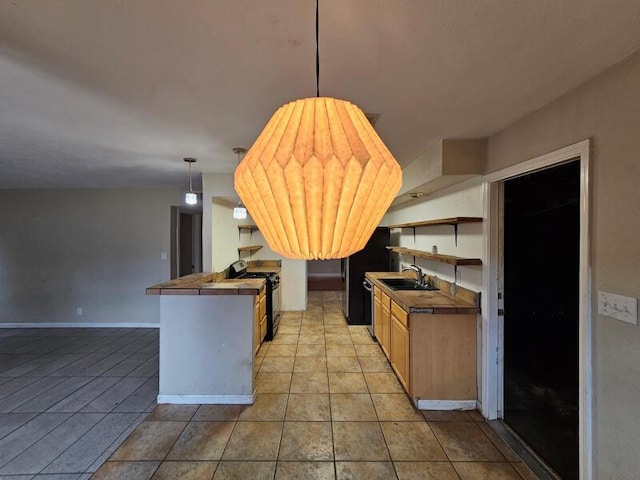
{"x": 444, "y": 163}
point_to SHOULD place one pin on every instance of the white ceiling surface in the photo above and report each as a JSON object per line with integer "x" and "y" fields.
{"x": 109, "y": 93}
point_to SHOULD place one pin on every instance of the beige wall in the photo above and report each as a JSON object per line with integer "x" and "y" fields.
{"x": 95, "y": 249}
{"x": 224, "y": 237}
{"x": 213, "y": 185}
{"x": 607, "y": 110}
{"x": 220, "y": 242}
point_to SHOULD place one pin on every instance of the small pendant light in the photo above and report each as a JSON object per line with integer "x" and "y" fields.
{"x": 190, "y": 197}
{"x": 239, "y": 212}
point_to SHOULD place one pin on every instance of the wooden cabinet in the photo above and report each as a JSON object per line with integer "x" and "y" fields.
{"x": 256, "y": 325}
{"x": 385, "y": 323}
{"x": 433, "y": 355}
{"x": 263, "y": 315}
{"x": 377, "y": 313}
{"x": 259, "y": 320}
{"x": 443, "y": 357}
{"x": 399, "y": 344}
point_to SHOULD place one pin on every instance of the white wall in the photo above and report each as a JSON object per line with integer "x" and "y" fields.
{"x": 213, "y": 185}
{"x": 95, "y": 249}
{"x": 461, "y": 200}
{"x": 224, "y": 237}
{"x": 220, "y": 242}
{"x": 217, "y": 332}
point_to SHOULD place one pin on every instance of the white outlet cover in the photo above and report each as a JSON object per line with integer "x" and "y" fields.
{"x": 618, "y": 307}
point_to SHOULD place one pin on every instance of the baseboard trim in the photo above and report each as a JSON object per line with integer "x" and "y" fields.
{"x": 446, "y": 404}
{"x": 79, "y": 325}
{"x": 324, "y": 275}
{"x": 206, "y": 399}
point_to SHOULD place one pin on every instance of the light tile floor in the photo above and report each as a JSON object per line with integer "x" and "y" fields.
{"x": 69, "y": 397}
{"x": 328, "y": 407}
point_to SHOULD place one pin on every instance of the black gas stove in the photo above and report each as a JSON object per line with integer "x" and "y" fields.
{"x": 239, "y": 270}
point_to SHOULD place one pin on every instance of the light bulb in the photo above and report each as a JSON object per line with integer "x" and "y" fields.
{"x": 190, "y": 198}
{"x": 239, "y": 213}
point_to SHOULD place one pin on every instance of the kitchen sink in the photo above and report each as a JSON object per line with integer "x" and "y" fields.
{"x": 404, "y": 284}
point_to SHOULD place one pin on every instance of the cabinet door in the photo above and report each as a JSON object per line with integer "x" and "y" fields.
{"x": 263, "y": 328}
{"x": 386, "y": 323}
{"x": 377, "y": 314}
{"x": 263, "y": 305}
{"x": 400, "y": 349}
{"x": 256, "y": 325}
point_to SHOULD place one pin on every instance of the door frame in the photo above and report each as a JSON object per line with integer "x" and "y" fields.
{"x": 492, "y": 358}
{"x": 174, "y": 238}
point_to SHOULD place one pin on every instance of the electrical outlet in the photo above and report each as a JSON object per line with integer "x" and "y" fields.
{"x": 619, "y": 307}
{"x": 79, "y": 311}
{"x": 163, "y": 255}
{"x": 458, "y": 275}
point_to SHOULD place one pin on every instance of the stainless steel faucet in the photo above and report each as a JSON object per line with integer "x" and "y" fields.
{"x": 419, "y": 275}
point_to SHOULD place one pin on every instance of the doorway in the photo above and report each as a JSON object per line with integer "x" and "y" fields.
{"x": 186, "y": 241}
{"x": 541, "y": 239}
{"x": 324, "y": 275}
{"x": 492, "y": 354}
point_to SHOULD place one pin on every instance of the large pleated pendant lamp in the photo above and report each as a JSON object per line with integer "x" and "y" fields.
{"x": 318, "y": 179}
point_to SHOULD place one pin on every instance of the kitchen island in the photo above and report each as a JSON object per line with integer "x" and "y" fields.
{"x": 207, "y": 339}
{"x": 429, "y": 338}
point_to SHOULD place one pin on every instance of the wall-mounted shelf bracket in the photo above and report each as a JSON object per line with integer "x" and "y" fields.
{"x": 453, "y": 221}
{"x": 251, "y": 249}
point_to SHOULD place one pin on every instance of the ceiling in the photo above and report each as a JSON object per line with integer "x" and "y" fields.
{"x": 114, "y": 93}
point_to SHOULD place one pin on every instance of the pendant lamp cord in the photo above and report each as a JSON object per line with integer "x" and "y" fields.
{"x": 190, "y": 184}
{"x": 317, "y": 53}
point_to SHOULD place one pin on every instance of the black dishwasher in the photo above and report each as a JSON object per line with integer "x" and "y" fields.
{"x": 367, "y": 306}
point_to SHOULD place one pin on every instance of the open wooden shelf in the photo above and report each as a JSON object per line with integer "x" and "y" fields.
{"x": 440, "y": 221}
{"x": 437, "y": 257}
{"x": 251, "y": 249}
{"x": 251, "y": 228}
{"x": 453, "y": 221}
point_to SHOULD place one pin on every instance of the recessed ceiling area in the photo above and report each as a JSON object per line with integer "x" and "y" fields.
{"x": 116, "y": 93}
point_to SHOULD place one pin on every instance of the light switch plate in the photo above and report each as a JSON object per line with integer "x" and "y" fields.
{"x": 619, "y": 307}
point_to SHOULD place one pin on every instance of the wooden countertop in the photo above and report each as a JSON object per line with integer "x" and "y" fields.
{"x": 207, "y": 284}
{"x": 428, "y": 301}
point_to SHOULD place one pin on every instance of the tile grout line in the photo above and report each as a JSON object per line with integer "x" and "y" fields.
{"x": 74, "y": 442}
{"x": 326, "y": 358}
{"x": 174, "y": 442}
{"x": 115, "y": 441}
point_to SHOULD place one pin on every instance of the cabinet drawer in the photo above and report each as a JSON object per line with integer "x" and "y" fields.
{"x": 400, "y": 314}
{"x": 386, "y": 301}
